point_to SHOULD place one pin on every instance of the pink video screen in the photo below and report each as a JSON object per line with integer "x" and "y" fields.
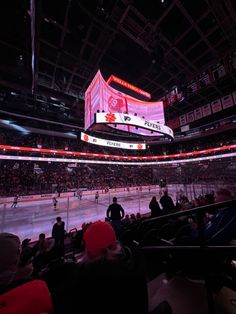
{"x": 100, "y": 97}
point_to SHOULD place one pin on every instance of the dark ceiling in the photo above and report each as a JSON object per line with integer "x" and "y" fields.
{"x": 153, "y": 44}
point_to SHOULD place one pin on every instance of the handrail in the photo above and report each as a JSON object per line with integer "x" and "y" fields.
{"x": 219, "y": 248}
{"x": 200, "y": 209}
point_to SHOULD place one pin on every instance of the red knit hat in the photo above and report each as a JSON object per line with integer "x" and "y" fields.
{"x": 99, "y": 236}
{"x": 30, "y": 298}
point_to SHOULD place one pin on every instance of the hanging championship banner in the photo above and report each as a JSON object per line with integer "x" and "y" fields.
{"x": 204, "y": 79}
{"x": 198, "y": 113}
{"x": 182, "y": 119}
{"x": 206, "y": 110}
{"x": 193, "y": 86}
{"x": 216, "y": 106}
{"x": 218, "y": 70}
{"x": 227, "y": 101}
{"x": 190, "y": 117}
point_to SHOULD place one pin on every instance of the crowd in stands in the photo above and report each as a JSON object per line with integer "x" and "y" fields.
{"x": 24, "y": 177}
{"x": 10, "y": 137}
{"x": 106, "y": 272}
{"x": 19, "y": 178}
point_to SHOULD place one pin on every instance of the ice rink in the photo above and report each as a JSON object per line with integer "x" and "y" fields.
{"x": 30, "y": 218}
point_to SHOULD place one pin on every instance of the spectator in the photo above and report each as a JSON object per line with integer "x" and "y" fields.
{"x": 42, "y": 245}
{"x": 167, "y": 203}
{"x": 138, "y": 217}
{"x": 221, "y": 229}
{"x": 133, "y": 218}
{"x": 126, "y": 220}
{"x": 10, "y": 255}
{"x": 154, "y": 207}
{"x": 115, "y": 213}
{"x": 13, "y": 272}
{"x": 26, "y": 250}
{"x": 110, "y": 270}
{"x": 58, "y": 233}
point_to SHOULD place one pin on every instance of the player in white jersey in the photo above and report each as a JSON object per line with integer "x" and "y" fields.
{"x": 96, "y": 197}
{"x": 54, "y": 201}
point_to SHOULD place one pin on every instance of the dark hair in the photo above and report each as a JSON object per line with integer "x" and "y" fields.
{"x": 42, "y": 236}
{"x": 58, "y": 219}
{"x": 153, "y": 199}
{"x": 114, "y": 199}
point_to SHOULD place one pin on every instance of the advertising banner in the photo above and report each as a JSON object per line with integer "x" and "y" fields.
{"x": 103, "y": 142}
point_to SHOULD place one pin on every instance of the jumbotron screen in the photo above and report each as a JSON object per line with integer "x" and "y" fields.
{"x": 100, "y": 97}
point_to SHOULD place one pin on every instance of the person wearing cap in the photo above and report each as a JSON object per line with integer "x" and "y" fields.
{"x": 115, "y": 213}
{"x": 29, "y": 298}
{"x": 107, "y": 278}
{"x": 112, "y": 280}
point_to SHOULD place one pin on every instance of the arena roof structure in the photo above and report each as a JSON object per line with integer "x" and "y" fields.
{"x": 51, "y": 50}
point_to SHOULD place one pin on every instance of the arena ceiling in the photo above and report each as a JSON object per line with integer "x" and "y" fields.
{"x": 153, "y": 44}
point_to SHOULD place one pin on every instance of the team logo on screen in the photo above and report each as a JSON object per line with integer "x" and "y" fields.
{"x": 86, "y": 138}
{"x": 127, "y": 118}
{"x": 140, "y": 146}
{"x": 116, "y": 104}
{"x": 110, "y": 117}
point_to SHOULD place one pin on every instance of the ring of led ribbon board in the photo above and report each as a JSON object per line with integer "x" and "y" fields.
{"x": 109, "y": 143}
{"x": 129, "y": 119}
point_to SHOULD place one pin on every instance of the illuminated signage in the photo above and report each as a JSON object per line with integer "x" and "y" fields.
{"x": 129, "y": 119}
{"x": 139, "y": 91}
{"x": 102, "y": 142}
{"x": 100, "y": 97}
{"x": 137, "y": 163}
{"x": 121, "y": 157}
